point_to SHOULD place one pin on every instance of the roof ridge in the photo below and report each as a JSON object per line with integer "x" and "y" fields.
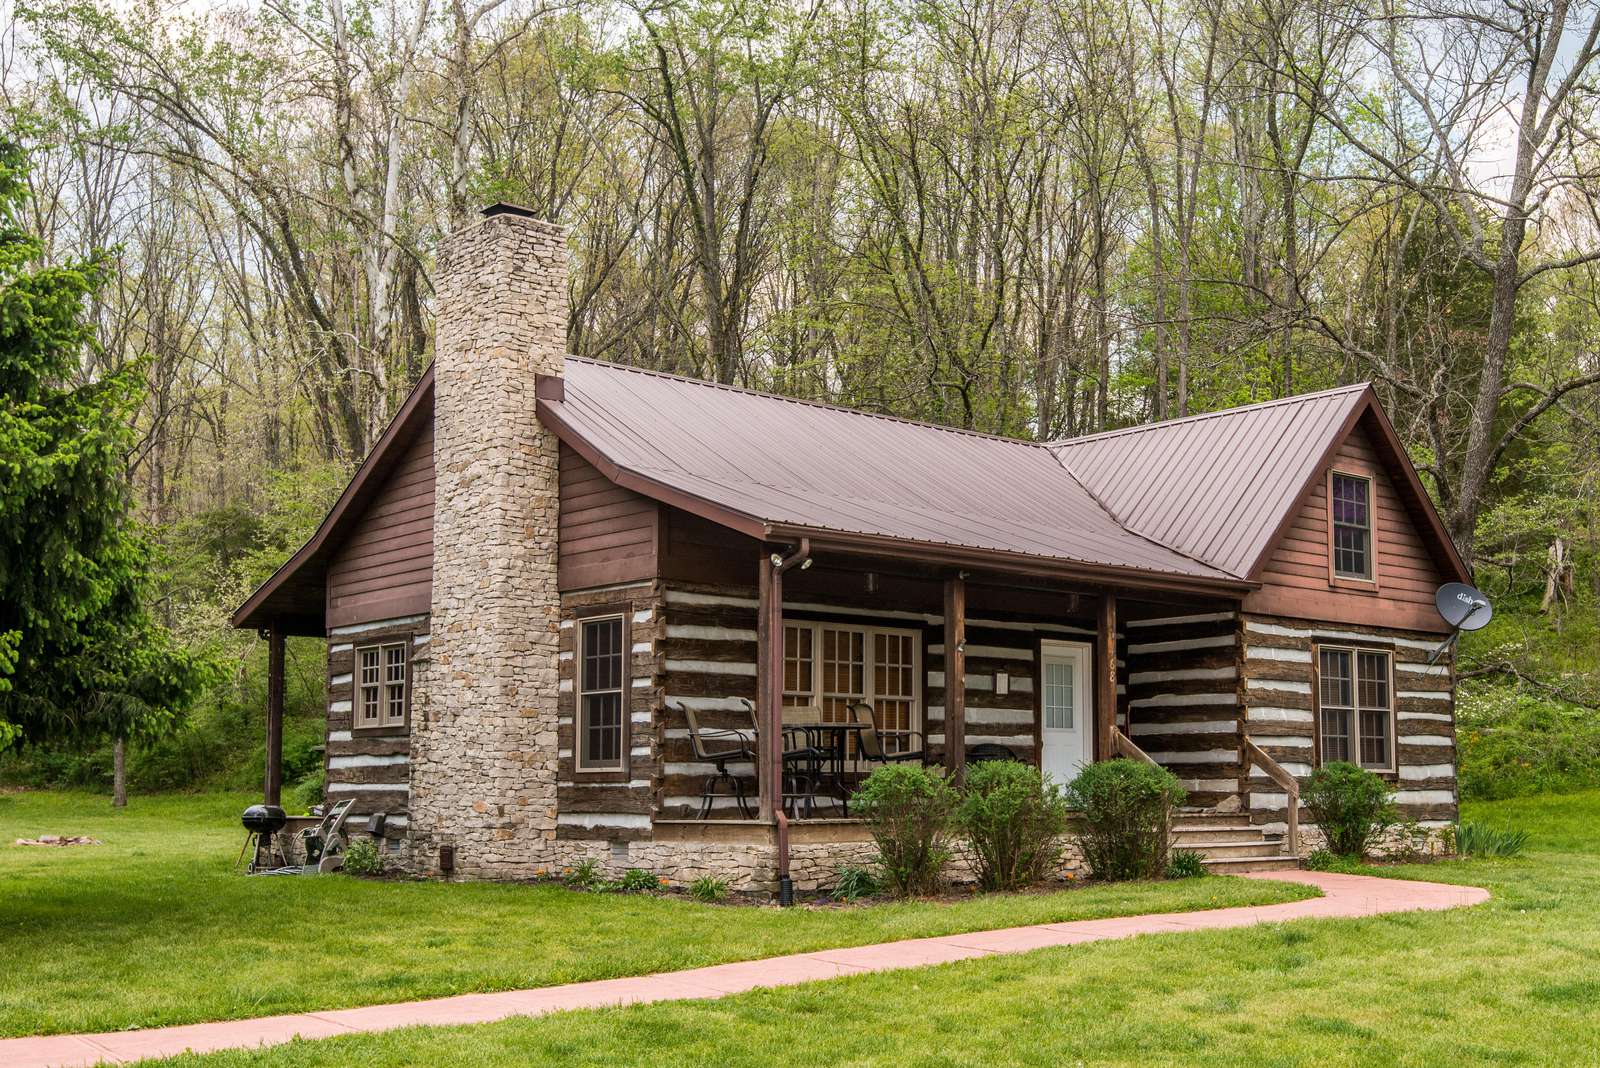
{"x": 1236, "y": 410}
{"x": 824, "y": 405}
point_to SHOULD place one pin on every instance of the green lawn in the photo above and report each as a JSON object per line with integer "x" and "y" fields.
{"x": 152, "y": 927}
{"x": 1515, "y": 982}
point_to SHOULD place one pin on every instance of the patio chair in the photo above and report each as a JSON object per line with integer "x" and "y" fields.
{"x": 802, "y": 760}
{"x": 871, "y": 743}
{"x": 719, "y": 747}
{"x": 324, "y": 844}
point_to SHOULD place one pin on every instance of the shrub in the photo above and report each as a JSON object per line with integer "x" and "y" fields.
{"x": 1478, "y": 840}
{"x": 1186, "y": 864}
{"x": 585, "y": 875}
{"x": 854, "y": 882}
{"x": 1012, "y": 819}
{"x": 1351, "y": 805}
{"x": 362, "y": 858}
{"x": 1321, "y": 860}
{"x": 908, "y": 808}
{"x": 638, "y": 881}
{"x": 1127, "y": 811}
{"x": 306, "y": 793}
{"x": 708, "y": 889}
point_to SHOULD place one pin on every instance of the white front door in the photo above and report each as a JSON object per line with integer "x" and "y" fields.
{"x": 1065, "y": 678}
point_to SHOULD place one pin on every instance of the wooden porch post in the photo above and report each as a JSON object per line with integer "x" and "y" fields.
{"x": 274, "y": 773}
{"x": 1105, "y": 690}
{"x": 769, "y": 687}
{"x": 955, "y": 674}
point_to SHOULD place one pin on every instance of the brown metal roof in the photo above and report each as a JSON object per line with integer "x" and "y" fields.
{"x": 296, "y": 595}
{"x": 773, "y": 466}
{"x": 1215, "y": 486}
{"x": 1193, "y": 503}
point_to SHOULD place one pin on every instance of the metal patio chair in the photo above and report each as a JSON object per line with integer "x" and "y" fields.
{"x": 719, "y": 747}
{"x": 871, "y": 745}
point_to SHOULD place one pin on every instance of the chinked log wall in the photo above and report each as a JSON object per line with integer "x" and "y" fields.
{"x": 708, "y": 658}
{"x": 615, "y": 805}
{"x": 371, "y": 767}
{"x": 1183, "y": 704}
{"x": 1280, "y": 711}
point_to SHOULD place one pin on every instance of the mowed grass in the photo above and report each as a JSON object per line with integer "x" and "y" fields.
{"x": 153, "y": 927}
{"x": 1513, "y": 982}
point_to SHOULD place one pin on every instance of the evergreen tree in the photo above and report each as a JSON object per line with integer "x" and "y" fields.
{"x": 79, "y": 655}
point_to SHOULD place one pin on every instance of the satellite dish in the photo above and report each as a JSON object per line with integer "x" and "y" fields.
{"x": 1462, "y": 606}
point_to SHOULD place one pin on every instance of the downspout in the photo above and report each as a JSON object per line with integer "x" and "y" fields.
{"x": 773, "y": 685}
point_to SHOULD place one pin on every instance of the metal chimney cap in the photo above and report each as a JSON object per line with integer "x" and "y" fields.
{"x": 502, "y": 208}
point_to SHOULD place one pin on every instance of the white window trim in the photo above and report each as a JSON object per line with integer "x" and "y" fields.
{"x": 1356, "y": 707}
{"x": 581, "y": 761}
{"x": 815, "y": 695}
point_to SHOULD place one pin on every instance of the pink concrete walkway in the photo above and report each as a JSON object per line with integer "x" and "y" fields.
{"x": 1343, "y": 896}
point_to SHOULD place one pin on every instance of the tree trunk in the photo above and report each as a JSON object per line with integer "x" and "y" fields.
{"x": 119, "y": 773}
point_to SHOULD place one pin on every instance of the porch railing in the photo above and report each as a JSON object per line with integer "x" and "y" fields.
{"x": 1123, "y": 746}
{"x": 1254, "y": 754}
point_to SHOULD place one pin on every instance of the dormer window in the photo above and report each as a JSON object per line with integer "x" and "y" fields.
{"x": 1352, "y": 526}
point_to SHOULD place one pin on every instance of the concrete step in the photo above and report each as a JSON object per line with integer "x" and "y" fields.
{"x": 1235, "y": 865}
{"x": 1232, "y": 850}
{"x": 1184, "y": 836}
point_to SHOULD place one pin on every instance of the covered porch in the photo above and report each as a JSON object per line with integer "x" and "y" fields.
{"x": 852, "y": 660}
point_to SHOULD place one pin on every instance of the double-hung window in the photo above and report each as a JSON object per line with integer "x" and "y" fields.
{"x": 835, "y": 665}
{"x": 383, "y": 690}
{"x": 1351, "y": 497}
{"x": 1355, "y": 707}
{"x": 602, "y": 687}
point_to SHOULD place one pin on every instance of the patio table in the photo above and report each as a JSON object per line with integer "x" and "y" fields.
{"x": 830, "y": 738}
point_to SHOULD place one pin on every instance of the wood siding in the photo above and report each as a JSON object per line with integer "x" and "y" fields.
{"x": 1279, "y": 696}
{"x": 1183, "y": 703}
{"x": 616, "y": 805}
{"x": 384, "y": 568}
{"x": 1296, "y": 579}
{"x": 371, "y": 766}
{"x": 608, "y": 535}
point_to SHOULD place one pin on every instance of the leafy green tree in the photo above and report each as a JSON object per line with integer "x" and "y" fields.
{"x": 79, "y": 654}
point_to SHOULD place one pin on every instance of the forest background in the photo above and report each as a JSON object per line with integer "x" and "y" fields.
{"x": 1039, "y": 218}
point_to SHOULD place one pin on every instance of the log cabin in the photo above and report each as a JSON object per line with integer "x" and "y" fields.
{"x": 557, "y": 588}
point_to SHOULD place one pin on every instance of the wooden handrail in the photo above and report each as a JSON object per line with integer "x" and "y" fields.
{"x": 1123, "y": 746}
{"x": 1254, "y": 754}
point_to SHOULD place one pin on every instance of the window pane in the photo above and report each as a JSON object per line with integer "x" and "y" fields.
{"x": 1352, "y": 527}
{"x": 894, "y": 690}
{"x": 1058, "y": 695}
{"x": 602, "y": 654}
{"x": 1373, "y": 671}
{"x": 1335, "y": 734}
{"x": 600, "y": 726}
{"x": 1335, "y": 678}
{"x": 370, "y": 691}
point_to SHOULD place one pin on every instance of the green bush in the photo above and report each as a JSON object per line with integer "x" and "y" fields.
{"x": 1127, "y": 809}
{"x": 1012, "y": 820}
{"x": 585, "y": 875}
{"x": 1186, "y": 864}
{"x": 708, "y": 889}
{"x": 908, "y": 809}
{"x": 1351, "y": 805}
{"x": 362, "y": 858}
{"x": 1515, "y": 743}
{"x": 1480, "y": 840}
{"x": 1328, "y": 860}
{"x": 305, "y": 793}
{"x": 639, "y": 881}
{"x": 852, "y": 883}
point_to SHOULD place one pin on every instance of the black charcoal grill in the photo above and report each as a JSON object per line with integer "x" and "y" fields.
{"x": 261, "y": 822}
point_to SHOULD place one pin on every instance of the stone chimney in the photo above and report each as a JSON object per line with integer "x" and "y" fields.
{"x": 483, "y": 732}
